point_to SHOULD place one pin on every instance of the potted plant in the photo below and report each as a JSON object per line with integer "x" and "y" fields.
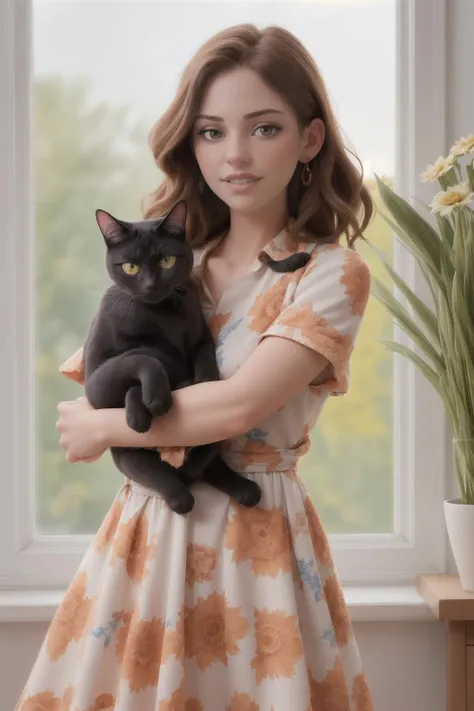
{"x": 444, "y": 334}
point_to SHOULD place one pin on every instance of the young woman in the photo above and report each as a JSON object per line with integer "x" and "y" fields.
{"x": 230, "y": 608}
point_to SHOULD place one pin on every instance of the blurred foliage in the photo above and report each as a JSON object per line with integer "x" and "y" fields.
{"x": 92, "y": 156}
{"x": 86, "y": 157}
{"x": 349, "y": 468}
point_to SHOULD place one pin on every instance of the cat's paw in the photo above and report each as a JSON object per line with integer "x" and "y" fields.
{"x": 182, "y": 503}
{"x": 138, "y": 418}
{"x": 250, "y": 494}
{"x": 158, "y": 403}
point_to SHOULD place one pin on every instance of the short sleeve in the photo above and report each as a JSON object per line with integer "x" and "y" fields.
{"x": 325, "y": 311}
{"x": 73, "y": 367}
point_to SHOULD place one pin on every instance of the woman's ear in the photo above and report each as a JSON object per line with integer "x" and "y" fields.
{"x": 314, "y": 135}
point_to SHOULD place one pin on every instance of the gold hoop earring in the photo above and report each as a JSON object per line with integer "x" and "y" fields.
{"x": 306, "y": 177}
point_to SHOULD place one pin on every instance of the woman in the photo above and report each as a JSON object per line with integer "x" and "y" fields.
{"x": 227, "y": 607}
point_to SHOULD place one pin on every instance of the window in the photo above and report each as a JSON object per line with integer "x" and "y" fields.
{"x": 74, "y": 132}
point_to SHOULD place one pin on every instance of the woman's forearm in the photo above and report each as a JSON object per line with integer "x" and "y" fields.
{"x": 202, "y": 413}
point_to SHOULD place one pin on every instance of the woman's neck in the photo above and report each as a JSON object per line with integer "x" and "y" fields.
{"x": 248, "y": 235}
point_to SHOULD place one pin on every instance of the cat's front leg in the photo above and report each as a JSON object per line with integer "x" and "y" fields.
{"x": 155, "y": 387}
{"x": 205, "y": 363}
{"x": 137, "y": 415}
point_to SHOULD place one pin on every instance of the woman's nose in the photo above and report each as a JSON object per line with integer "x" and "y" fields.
{"x": 238, "y": 152}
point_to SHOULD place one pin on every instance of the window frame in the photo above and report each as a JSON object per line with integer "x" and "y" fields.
{"x": 421, "y": 467}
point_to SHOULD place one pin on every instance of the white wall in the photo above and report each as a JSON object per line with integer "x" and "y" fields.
{"x": 404, "y": 661}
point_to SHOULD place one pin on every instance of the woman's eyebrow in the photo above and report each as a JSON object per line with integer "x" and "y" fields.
{"x": 253, "y": 114}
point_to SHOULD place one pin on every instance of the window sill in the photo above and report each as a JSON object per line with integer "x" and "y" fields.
{"x": 365, "y": 604}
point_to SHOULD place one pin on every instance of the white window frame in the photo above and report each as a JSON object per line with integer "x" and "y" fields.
{"x": 421, "y": 465}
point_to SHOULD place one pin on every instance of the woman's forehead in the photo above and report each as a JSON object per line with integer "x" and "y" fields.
{"x": 238, "y": 94}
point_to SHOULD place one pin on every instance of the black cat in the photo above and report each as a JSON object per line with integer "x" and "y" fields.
{"x": 149, "y": 337}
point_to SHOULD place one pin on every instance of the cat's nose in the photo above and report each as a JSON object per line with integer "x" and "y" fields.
{"x": 149, "y": 287}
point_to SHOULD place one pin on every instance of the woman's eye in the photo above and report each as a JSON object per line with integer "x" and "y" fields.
{"x": 208, "y": 130}
{"x": 267, "y": 127}
{"x": 276, "y": 129}
{"x": 167, "y": 262}
{"x": 130, "y": 268}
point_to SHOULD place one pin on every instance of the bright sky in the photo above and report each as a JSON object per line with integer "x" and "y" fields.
{"x": 134, "y": 52}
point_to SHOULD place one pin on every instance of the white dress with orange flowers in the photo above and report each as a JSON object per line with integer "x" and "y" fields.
{"x": 226, "y": 608}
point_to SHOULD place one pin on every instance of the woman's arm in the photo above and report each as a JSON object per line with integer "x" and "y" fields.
{"x": 274, "y": 373}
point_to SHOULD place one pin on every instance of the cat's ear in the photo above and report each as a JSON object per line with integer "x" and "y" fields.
{"x": 112, "y": 229}
{"x": 175, "y": 220}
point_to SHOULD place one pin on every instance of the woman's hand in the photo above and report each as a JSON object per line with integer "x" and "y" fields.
{"x": 80, "y": 435}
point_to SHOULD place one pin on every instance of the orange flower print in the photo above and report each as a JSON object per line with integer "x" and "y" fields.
{"x": 200, "y": 563}
{"x": 177, "y": 702}
{"x": 259, "y": 452}
{"x": 67, "y": 699}
{"x": 109, "y": 526}
{"x": 356, "y": 280}
{"x": 70, "y": 620}
{"x": 123, "y": 620}
{"x": 173, "y": 645}
{"x": 278, "y": 644}
{"x": 318, "y": 333}
{"x": 103, "y": 702}
{"x": 268, "y": 305}
{"x": 47, "y": 701}
{"x": 261, "y": 536}
{"x": 338, "y": 610}
{"x": 318, "y": 535}
{"x": 212, "y": 630}
{"x": 217, "y": 322}
{"x": 299, "y": 524}
{"x": 304, "y": 443}
{"x": 192, "y": 704}
{"x": 130, "y": 544}
{"x": 361, "y": 694}
{"x": 242, "y": 702}
{"x": 143, "y": 654}
{"x": 330, "y": 694}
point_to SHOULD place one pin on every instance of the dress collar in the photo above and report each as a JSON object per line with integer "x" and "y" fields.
{"x": 280, "y": 247}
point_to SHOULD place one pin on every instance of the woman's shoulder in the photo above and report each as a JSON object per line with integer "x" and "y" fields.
{"x": 335, "y": 272}
{"x": 328, "y": 257}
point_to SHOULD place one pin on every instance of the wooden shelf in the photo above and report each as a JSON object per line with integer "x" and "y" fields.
{"x": 453, "y": 605}
{"x": 446, "y": 598}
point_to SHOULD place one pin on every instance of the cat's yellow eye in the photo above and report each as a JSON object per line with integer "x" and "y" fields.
{"x": 130, "y": 268}
{"x": 167, "y": 262}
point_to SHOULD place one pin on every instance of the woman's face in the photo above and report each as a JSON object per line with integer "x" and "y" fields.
{"x": 229, "y": 139}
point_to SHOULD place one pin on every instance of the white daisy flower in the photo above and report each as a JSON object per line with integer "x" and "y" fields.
{"x": 463, "y": 147}
{"x": 445, "y": 201}
{"x": 440, "y": 167}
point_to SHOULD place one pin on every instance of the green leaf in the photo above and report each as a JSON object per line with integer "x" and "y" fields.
{"x": 445, "y": 229}
{"x": 418, "y": 230}
{"x": 468, "y": 281}
{"x": 386, "y": 298}
{"x": 425, "y": 314}
{"x": 426, "y": 370}
{"x": 430, "y": 272}
{"x": 470, "y": 175}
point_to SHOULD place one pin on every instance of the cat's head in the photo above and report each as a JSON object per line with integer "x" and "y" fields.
{"x": 148, "y": 259}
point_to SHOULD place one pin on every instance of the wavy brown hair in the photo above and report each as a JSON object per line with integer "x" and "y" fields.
{"x": 336, "y": 202}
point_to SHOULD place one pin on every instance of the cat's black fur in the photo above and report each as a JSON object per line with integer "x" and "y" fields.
{"x": 148, "y": 338}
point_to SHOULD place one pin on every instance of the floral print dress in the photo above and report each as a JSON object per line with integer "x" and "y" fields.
{"x": 226, "y": 608}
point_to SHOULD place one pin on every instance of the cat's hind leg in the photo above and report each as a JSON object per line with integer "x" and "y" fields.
{"x": 222, "y": 477}
{"x": 147, "y": 469}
